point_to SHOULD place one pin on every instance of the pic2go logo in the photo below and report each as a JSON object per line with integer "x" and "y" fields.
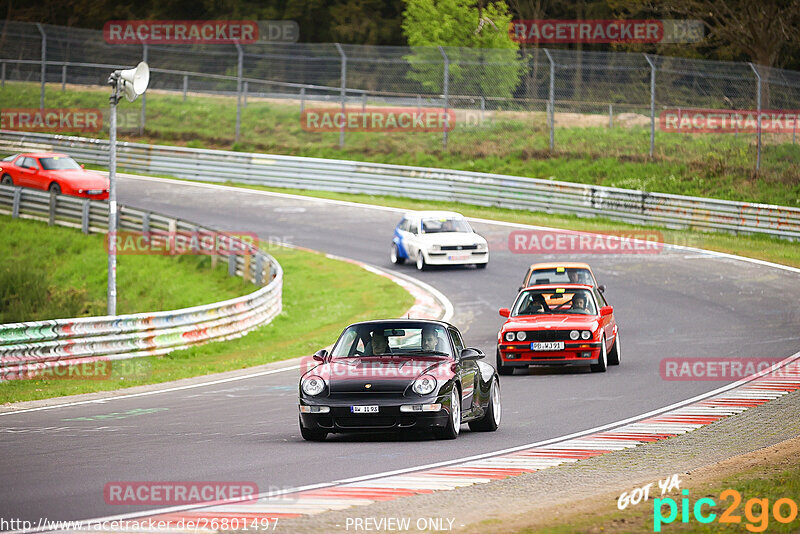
{"x": 756, "y": 511}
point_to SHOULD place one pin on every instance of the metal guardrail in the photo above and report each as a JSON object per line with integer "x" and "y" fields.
{"x": 627, "y": 205}
{"x": 31, "y": 347}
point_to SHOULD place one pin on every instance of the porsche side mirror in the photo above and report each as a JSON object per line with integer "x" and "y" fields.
{"x": 83, "y": 166}
{"x": 601, "y": 288}
{"x": 606, "y": 310}
{"x": 321, "y": 355}
{"x": 505, "y": 312}
{"x": 471, "y": 354}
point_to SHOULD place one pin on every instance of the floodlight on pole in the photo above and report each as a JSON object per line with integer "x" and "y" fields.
{"x": 131, "y": 83}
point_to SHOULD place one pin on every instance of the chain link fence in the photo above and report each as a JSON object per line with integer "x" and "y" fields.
{"x": 536, "y": 101}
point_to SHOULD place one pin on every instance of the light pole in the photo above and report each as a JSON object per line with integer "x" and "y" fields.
{"x": 131, "y": 83}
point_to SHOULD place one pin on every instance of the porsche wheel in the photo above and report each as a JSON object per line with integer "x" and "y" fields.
{"x": 602, "y": 361}
{"x": 394, "y": 255}
{"x": 491, "y": 419}
{"x": 454, "y": 421}
{"x": 312, "y": 435}
{"x": 503, "y": 370}
{"x": 421, "y": 265}
{"x": 55, "y": 188}
{"x": 614, "y": 355}
{"x": 7, "y": 180}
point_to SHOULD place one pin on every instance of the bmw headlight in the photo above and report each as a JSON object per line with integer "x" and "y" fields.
{"x": 509, "y": 336}
{"x": 313, "y": 385}
{"x": 521, "y": 336}
{"x": 586, "y": 334}
{"x": 424, "y": 385}
{"x": 574, "y": 334}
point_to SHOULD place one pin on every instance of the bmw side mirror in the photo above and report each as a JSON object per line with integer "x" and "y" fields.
{"x": 606, "y": 310}
{"x": 321, "y": 355}
{"x": 601, "y": 288}
{"x": 505, "y": 312}
{"x": 471, "y": 354}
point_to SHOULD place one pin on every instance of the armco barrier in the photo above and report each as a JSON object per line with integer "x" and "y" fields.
{"x": 631, "y": 206}
{"x": 27, "y": 348}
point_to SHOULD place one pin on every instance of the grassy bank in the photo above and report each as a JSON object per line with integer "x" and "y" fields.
{"x": 515, "y": 143}
{"x": 320, "y": 297}
{"x": 55, "y": 272}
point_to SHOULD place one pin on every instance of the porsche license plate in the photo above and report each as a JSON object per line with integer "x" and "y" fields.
{"x": 364, "y": 409}
{"x": 547, "y": 345}
{"x": 458, "y": 257}
{"x": 94, "y": 191}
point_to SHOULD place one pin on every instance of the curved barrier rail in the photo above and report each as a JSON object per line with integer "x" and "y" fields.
{"x": 29, "y": 348}
{"x": 627, "y": 205}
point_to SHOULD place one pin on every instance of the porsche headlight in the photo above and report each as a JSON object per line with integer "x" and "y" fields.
{"x": 574, "y": 334}
{"x": 509, "y": 336}
{"x": 521, "y": 336}
{"x": 313, "y": 385}
{"x": 424, "y": 385}
{"x": 586, "y": 334}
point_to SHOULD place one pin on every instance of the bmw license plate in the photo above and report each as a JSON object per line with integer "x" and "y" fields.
{"x": 458, "y": 257}
{"x": 547, "y": 345}
{"x": 364, "y": 409}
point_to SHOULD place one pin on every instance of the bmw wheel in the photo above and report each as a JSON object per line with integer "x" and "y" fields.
{"x": 503, "y": 370}
{"x": 616, "y": 352}
{"x": 602, "y": 361}
{"x": 421, "y": 265}
{"x": 395, "y": 257}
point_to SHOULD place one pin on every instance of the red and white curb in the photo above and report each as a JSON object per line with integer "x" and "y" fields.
{"x": 658, "y": 425}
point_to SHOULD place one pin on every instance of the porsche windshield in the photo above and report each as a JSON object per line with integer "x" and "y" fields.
{"x": 389, "y": 339}
{"x": 59, "y": 163}
{"x": 436, "y": 226}
{"x": 554, "y": 301}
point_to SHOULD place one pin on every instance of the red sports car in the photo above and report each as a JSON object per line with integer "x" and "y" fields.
{"x": 568, "y": 324}
{"x": 54, "y": 172}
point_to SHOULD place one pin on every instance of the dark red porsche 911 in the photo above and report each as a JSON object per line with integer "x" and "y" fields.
{"x": 54, "y": 172}
{"x": 569, "y": 324}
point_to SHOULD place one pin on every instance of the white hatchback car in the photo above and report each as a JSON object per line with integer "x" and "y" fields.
{"x": 438, "y": 238}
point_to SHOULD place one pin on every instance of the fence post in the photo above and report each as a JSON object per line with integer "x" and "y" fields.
{"x": 144, "y": 96}
{"x": 758, "y": 110}
{"x": 794, "y": 131}
{"x": 15, "y": 205}
{"x": 64, "y": 78}
{"x": 85, "y": 216}
{"x": 259, "y": 274}
{"x": 52, "y": 215}
{"x": 343, "y": 90}
{"x": 551, "y": 102}
{"x": 244, "y": 95}
{"x": 43, "y": 74}
{"x": 185, "y": 86}
{"x": 419, "y": 99}
{"x": 239, "y": 68}
{"x": 610, "y": 116}
{"x": 3, "y": 74}
{"x": 302, "y": 99}
{"x": 652, "y": 104}
{"x": 446, "y": 89}
{"x": 364, "y": 102}
{"x": 232, "y": 265}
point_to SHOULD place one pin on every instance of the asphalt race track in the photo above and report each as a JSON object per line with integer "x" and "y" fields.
{"x": 671, "y": 304}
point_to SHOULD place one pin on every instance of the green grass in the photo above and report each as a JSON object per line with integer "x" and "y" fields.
{"x": 719, "y": 166}
{"x": 55, "y": 272}
{"x": 320, "y": 297}
{"x": 770, "y": 482}
{"x": 753, "y": 246}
